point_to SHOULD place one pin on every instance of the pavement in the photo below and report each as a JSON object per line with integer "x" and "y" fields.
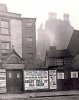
{"x": 32, "y": 95}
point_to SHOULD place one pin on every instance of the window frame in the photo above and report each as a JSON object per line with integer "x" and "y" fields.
{"x": 74, "y": 74}
{"x": 60, "y": 61}
{"x": 18, "y": 75}
{"x": 4, "y": 28}
{"x": 29, "y": 24}
{"x": 5, "y": 49}
{"x": 60, "y": 75}
{"x": 9, "y": 75}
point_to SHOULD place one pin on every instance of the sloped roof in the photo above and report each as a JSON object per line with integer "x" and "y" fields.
{"x": 74, "y": 43}
{"x": 59, "y": 53}
{"x": 75, "y": 64}
{"x": 13, "y": 57}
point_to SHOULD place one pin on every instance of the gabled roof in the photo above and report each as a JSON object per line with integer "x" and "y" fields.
{"x": 74, "y": 43}
{"x": 13, "y": 57}
{"x": 58, "y": 53}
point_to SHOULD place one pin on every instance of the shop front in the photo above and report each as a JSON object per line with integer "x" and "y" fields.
{"x": 23, "y": 80}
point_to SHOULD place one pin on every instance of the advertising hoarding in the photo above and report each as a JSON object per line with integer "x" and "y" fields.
{"x": 52, "y": 79}
{"x": 35, "y": 79}
{"x": 2, "y": 80}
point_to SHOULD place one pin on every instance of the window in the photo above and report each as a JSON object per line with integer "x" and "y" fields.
{"x": 18, "y": 75}
{"x": 51, "y": 62}
{"x": 5, "y": 47}
{"x": 29, "y": 41}
{"x": 29, "y": 24}
{"x": 60, "y": 75}
{"x": 4, "y": 27}
{"x": 4, "y": 24}
{"x": 74, "y": 74}
{"x": 10, "y": 75}
{"x": 59, "y": 61}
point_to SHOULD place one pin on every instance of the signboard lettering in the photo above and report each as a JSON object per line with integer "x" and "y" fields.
{"x": 2, "y": 80}
{"x": 52, "y": 79}
{"x": 35, "y": 79}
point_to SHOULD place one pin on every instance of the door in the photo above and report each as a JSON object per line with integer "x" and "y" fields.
{"x": 14, "y": 81}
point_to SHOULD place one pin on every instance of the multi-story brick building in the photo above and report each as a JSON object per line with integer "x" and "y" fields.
{"x": 19, "y": 32}
{"x": 29, "y": 41}
{"x": 17, "y": 49}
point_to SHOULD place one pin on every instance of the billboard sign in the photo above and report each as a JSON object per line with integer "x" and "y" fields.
{"x": 52, "y": 79}
{"x": 35, "y": 79}
{"x": 2, "y": 80}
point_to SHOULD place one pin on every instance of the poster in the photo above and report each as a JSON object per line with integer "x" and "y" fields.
{"x": 2, "y": 80}
{"x": 36, "y": 79}
{"x": 52, "y": 79}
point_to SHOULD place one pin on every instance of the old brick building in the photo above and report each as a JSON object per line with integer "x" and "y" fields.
{"x": 17, "y": 49}
{"x": 56, "y": 58}
{"x": 64, "y": 65}
{"x": 19, "y": 32}
{"x": 59, "y": 64}
{"x": 29, "y": 41}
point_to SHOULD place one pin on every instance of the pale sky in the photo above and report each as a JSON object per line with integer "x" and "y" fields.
{"x": 41, "y": 8}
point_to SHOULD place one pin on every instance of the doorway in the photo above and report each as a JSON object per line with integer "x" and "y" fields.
{"x": 14, "y": 81}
